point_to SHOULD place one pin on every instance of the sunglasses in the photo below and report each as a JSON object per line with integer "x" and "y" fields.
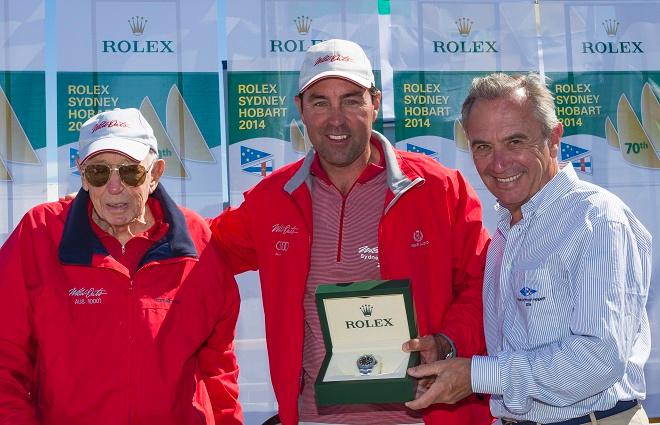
{"x": 132, "y": 174}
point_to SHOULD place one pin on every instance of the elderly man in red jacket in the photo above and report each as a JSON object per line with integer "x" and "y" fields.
{"x": 355, "y": 193}
{"x": 117, "y": 306}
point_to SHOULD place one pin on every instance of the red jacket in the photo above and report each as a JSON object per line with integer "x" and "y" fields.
{"x": 431, "y": 232}
{"x": 81, "y": 342}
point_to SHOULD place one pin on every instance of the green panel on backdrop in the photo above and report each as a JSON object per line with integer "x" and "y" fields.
{"x": 428, "y": 102}
{"x": 584, "y": 100}
{"x": 26, "y": 92}
{"x": 383, "y": 7}
{"x": 83, "y": 94}
{"x": 262, "y": 104}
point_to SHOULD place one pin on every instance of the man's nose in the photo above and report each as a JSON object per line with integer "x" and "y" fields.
{"x": 501, "y": 159}
{"x": 337, "y": 115}
{"x": 115, "y": 184}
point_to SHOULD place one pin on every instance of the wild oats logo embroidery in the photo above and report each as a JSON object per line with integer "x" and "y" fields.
{"x": 83, "y": 296}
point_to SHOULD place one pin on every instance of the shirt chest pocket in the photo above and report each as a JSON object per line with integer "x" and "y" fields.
{"x": 543, "y": 304}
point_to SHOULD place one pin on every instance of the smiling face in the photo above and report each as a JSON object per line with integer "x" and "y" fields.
{"x": 339, "y": 116}
{"x": 509, "y": 149}
{"x": 116, "y": 203}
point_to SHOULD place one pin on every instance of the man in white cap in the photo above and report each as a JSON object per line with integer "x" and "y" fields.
{"x": 357, "y": 209}
{"x": 118, "y": 306}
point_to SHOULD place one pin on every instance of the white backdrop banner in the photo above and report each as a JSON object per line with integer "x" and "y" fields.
{"x": 438, "y": 47}
{"x": 603, "y": 60}
{"x": 22, "y": 110}
{"x": 160, "y": 57}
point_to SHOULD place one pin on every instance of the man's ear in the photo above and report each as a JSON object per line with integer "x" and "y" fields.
{"x": 375, "y": 99}
{"x": 157, "y": 171}
{"x": 83, "y": 181}
{"x": 555, "y": 137}
{"x": 298, "y": 99}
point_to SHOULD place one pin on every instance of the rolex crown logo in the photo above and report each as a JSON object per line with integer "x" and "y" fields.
{"x": 366, "y": 310}
{"x": 464, "y": 26}
{"x": 137, "y": 24}
{"x": 303, "y": 24}
{"x": 611, "y": 27}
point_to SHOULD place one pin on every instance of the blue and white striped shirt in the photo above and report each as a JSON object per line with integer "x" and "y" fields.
{"x": 565, "y": 293}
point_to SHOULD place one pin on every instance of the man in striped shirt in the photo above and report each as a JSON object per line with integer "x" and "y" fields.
{"x": 566, "y": 281}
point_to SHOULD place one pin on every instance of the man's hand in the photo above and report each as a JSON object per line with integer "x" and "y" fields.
{"x": 452, "y": 382}
{"x": 431, "y": 348}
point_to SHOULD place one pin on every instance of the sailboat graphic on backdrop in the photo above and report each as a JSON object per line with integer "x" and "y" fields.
{"x": 174, "y": 166}
{"x": 299, "y": 139}
{"x": 180, "y": 138}
{"x": 460, "y": 137}
{"x": 639, "y": 143}
{"x": 183, "y": 130}
{"x": 14, "y": 144}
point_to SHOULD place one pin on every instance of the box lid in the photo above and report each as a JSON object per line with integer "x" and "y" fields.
{"x": 375, "y": 313}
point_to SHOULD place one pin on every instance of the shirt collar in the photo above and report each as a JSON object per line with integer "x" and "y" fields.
{"x": 400, "y": 175}
{"x": 370, "y": 171}
{"x": 79, "y": 242}
{"x": 153, "y": 233}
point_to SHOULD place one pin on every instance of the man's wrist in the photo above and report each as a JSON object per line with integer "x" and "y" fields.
{"x": 446, "y": 347}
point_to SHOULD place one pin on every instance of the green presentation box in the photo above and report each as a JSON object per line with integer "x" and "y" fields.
{"x": 366, "y": 323}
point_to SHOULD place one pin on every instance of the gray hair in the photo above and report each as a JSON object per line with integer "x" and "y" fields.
{"x": 499, "y": 85}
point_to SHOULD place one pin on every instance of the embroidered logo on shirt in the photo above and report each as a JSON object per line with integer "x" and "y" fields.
{"x": 367, "y": 253}
{"x": 526, "y": 292}
{"x": 166, "y": 300}
{"x": 87, "y": 295}
{"x": 418, "y": 238}
{"x": 281, "y": 247}
{"x": 285, "y": 229}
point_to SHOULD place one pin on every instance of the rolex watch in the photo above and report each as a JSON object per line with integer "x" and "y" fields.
{"x": 366, "y": 363}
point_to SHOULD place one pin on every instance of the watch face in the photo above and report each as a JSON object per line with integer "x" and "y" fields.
{"x": 366, "y": 360}
{"x": 366, "y": 363}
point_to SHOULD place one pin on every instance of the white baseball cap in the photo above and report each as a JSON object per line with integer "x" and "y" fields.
{"x": 336, "y": 58}
{"x": 124, "y": 131}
